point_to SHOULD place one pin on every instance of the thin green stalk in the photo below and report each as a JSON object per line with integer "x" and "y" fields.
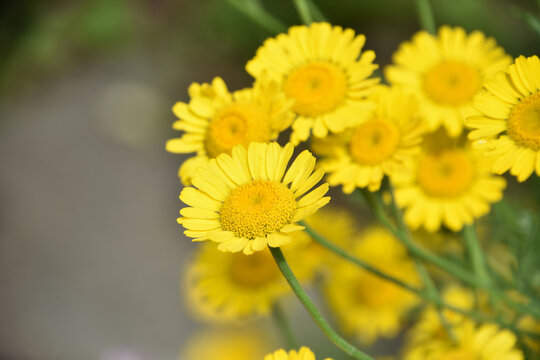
{"x": 428, "y": 297}
{"x": 476, "y": 255}
{"x": 416, "y": 250}
{"x": 317, "y": 13}
{"x": 480, "y": 317}
{"x": 342, "y": 253}
{"x": 254, "y": 11}
{"x": 434, "y": 293}
{"x": 313, "y": 311}
{"x": 303, "y": 10}
{"x": 284, "y": 326}
{"x": 425, "y": 13}
{"x": 464, "y": 275}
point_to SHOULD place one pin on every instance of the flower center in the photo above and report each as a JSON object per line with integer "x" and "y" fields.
{"x": 452, "y": 83}
{"x": 524, "y": 122}
{"x": 316, "y": 87}
{"x": 374, "y": 141}
{"x": 445, "y": 174}
{"x": 253, "y": 270}
{"x": 236, "y": 124}
{"x": 458, "y": 354}
{"x": 257, "y": 209}
{"x": 374, "y": 292}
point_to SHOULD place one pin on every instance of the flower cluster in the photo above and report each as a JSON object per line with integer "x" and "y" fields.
{"x": 455, "y": 114}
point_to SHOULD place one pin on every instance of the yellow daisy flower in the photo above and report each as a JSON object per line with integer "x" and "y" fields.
{"x": 248, "y": 200}
{"x": 303, "y": 354}
{"x": 226, "y": 344}
{"x": 381, "y": 145}
{"x": 448, "y": 185}
{"x": 323, "y": 68}
{"x": 223, "y": 287}
{"x": 215, "y": 121}
{"x": 473, "y": 343}
{"x": 508, "y": 119}
{"x": 446, "y": 72}
{"x": 364, "y": 304}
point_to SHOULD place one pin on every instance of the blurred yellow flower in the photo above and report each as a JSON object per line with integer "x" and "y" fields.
{"x": 303, "y": 354}
{"x": 250, "y": 200}
{"x": 448, "y": 185}
{"x": 222, "y": 287}
{"x": 215, "y": 121}
{"x": 226, "y": 344}
{"x": 324, "y": 70}
{"x": 366, "y": 305}
{"x": 507, "y": 122}
{"x": 473, "y": 343}
{"x": 388, "y": 138}
{"x": 429, "y": 329}
{"x": 446, "y": 72}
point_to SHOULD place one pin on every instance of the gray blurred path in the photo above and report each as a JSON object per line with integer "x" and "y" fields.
{"x": 90, "y": 252}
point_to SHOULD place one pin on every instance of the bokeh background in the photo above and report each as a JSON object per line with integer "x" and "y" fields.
{"x": 90, "y": 251}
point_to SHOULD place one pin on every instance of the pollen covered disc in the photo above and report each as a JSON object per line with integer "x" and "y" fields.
{"x": 374, "y": 141}
{"x": 236, "y": 124}
{"x": 452, "y": 83}
{"x": 524, "y": 122}
{"x": 316, "y": 87}
{"x": 258, "y": 208}
{"x": 445, "y": 174}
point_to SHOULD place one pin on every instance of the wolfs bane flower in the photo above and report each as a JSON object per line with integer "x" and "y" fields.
{"x": 323, "y": 68}
{"x": 215, "y": 120}
{"x": 445, "y": 72}
{"x": 507, "y": 123}
{"x": 249, "y": 200}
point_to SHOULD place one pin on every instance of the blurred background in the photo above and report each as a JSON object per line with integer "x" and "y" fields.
{"x": 90, "y": 251}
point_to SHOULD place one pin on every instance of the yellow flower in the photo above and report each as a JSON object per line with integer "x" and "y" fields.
{"x": 446, "y": 72}
{"x": 429, "y": 328}
{"x": 250, "y": 199}
{"x": 324, "y": 70}
{"x": 215, "y": 121}
{"x": 450, "y": 185}
{"x": 226, "y": 344}
{"x": 365, "y": 304}
{"x": 381, "y": 145}
{"x": 223, "y": 287}
{"x": 473, "y": 343}
{"x": 508, "y": 119}
{"x": 528, "y": 323}
{"x": 303, "y": 354}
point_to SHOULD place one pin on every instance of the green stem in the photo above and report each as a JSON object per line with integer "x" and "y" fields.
{"x": 284, "y": 326}
{"x": 416, "y": 250}
{"x": 312, "y": 310}
{"x": 317, "y": 13}
{"x": 480, "y": 317}
{"x": 425, "y": 13}
{"x": 303, "y": 10}
{"x": 476, "y": 255}
{"x": 465, "y": 276}
{"x": 434, "y": 293}
{"x": 254, "y": 11}
{"x": 342, "y": 253}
